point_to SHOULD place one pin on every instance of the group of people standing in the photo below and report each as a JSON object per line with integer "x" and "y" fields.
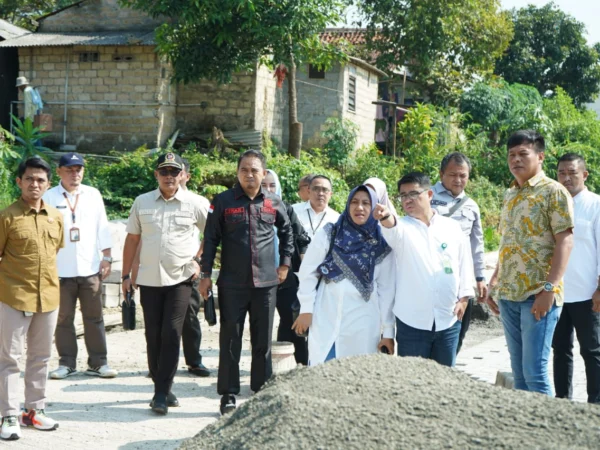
{"x": 359, "y": 282}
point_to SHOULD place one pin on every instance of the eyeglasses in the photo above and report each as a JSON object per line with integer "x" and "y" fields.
{"x": 319, "y": 189}
{"x": 410, "y": 195}
{"x": 169, "y": 173}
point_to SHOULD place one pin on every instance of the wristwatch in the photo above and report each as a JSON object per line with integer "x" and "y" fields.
{"x": 198, "y": 260}
{"x": 549, "y": 287}
{"x": 204, "y": 275}
{"x": 108, "y": 259}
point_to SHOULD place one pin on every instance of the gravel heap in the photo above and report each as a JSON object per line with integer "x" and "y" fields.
{"x": 379, "y": 401}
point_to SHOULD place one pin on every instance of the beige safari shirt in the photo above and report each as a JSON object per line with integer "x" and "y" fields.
{"x": 168, "y": 239}
{"x": 29, "y": 242}
{"x": 531, "y": 216}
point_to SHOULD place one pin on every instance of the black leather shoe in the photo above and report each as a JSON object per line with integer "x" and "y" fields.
{"x": 159, "y": 404}
{"x": 172, "y": 401}
{"x": 199, "y": 371}
{"x": 227, "y": 404}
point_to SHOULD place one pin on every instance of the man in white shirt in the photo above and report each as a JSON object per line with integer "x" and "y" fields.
{"x": 80, "y": 269}
{"x": 434, "y": 273}
{"x": 30, "y": 107}
{"x": 315, "y": 213}
{"x": 581, "y": 310}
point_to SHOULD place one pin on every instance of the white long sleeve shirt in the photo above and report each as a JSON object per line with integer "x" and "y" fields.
{"x": 341, "y": 316}
{"x": 581, "y": 276}
{"x": 81, "y": 258}
{"x": 425, "y": 292}
{"x": 313, "y": 221}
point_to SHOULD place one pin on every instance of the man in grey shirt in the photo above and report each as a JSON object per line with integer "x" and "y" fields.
{"x": 449, "y": 199}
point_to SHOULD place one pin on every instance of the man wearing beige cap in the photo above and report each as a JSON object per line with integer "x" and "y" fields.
{"x": 30, "y": 107}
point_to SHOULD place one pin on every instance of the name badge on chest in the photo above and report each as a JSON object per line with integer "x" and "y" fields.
{"x": 74, "y": 234}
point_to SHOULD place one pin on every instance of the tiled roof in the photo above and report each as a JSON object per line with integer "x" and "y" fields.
{"x": 10, "y": 31}
{"x": 355, "y": 36}
{"x": 92, "y": 38}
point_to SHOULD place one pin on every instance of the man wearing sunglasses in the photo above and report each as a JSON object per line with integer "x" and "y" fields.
{"x": 434, "y": 276}
{"x": 163, "y": 220}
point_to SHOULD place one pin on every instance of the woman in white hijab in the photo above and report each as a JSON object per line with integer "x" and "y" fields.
{"x": 382, "y": 194}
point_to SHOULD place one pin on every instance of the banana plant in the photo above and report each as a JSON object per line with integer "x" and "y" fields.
{"x": 28, "y": 139}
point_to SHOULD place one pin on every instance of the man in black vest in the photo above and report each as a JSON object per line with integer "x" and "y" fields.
{"x": 243, "y": 220}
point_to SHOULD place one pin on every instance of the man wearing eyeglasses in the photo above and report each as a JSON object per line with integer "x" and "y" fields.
{"x": 435, "y": 272}
{"x": 164, "y": 220}
{"x": 315, "y": 213}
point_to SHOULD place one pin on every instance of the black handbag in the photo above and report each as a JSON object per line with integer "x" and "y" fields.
{"x": 128, "y": 311}
{"x": 210, "y": 312}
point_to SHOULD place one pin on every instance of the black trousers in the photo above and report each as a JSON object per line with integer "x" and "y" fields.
{"x": 286, "y": 298}
{"x": 164, "y": 311}
{"x": 586, "y": 323}
{"x": 466, "y": 321}
{"x": 191, "y": 337}
{"x": 234, "y": 303}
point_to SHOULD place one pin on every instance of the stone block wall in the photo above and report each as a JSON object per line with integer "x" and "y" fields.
{"x": 98, "y": 15}
{"x": 110, "y": 104}
{"x": 318, "y": 100}
{"x": 230, "y": 107}
{"x": 268, "y": 106}
{"x": 366, "y": 93}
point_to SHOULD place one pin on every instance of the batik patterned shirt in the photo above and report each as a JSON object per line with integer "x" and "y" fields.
{"x": 531, "y": 216}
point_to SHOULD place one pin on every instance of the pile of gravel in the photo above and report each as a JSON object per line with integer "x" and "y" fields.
{"x": 379, "y": 401}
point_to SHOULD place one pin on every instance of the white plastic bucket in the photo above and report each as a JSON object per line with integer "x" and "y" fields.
{"x": 282, "y": 354}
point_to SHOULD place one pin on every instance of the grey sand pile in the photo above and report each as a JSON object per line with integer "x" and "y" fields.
{"x": 387, "y": 402}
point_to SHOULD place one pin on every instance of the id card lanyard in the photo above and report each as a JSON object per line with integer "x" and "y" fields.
{"x": 74, "y": 231}
{"x": 446, "y": 260}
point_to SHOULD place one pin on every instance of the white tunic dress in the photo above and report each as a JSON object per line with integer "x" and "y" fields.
{"x": 341, "y": 316}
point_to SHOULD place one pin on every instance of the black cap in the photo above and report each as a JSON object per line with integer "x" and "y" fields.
{"x": 70, "y": 159}
{"x": 170, "y": 160}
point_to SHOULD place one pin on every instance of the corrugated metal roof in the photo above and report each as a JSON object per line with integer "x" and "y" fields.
{"x": 91, "y": 38}
{"x": 10, "y": 31}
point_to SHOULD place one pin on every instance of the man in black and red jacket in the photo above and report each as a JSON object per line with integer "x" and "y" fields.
{"x": 242, "y": 220}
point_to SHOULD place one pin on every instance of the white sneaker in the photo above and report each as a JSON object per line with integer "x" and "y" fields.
{"x": 62, "y": 372}
{"x": 11, "y": 431}
{"x": 103, "y": 372}
{"x": 37, "y": 419}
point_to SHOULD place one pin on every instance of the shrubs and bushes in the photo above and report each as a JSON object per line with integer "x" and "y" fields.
{"x": 488, "y": 115}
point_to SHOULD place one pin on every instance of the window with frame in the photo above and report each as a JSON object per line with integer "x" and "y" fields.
{"x": 352, "y": 94}
{"x": 315, "y": 73}
{"x": 89, "y": 57}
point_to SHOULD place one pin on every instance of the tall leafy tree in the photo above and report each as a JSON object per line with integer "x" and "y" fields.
{"x": 445, "y": 44}
{"x": 213, "y": 39}
{"x": 549, "y": 50}
{"x": 24, "y": 12}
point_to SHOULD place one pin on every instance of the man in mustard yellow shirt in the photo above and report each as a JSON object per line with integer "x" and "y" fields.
{"x": 536, "y": 225}
{"x": 31, "y": 234}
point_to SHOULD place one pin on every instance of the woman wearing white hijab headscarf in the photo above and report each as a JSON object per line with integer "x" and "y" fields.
{"x": 287, "y": 298}
{"x": 382, "y": 194}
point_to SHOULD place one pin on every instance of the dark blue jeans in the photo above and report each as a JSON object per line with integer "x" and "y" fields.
{"x": 430, "y": 344}
{"x": 529, "y": 343}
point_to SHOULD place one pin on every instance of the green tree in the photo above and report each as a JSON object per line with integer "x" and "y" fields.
{"x": 212, "y": 39}
{"x": 24, "y": 12}
{"x": 549, "y": 50}
{"x": 444, "y": 43}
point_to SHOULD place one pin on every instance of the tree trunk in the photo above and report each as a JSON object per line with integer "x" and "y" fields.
{"x": 295, "y": 127}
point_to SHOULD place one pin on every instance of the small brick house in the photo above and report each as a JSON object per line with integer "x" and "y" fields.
{"x": 96, "y": 67}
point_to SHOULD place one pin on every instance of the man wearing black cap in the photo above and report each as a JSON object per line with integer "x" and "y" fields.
{"x": 80, "y": 268}
{"x": 163, "y": 221}
{"x": 243, "y": 220}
